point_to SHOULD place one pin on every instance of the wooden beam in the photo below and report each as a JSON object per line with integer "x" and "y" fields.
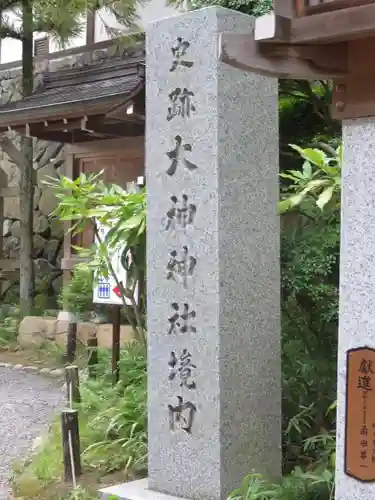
{"x": 285, "y": 8}
{"x": 333, "y": 6}
{"x": 65, "y": 125}
{"x": 302, "y": 62}
{"x": 9, "y": 192}
{"x": 353, "y": 98}
{"x": 335, "y": 26}
{"x": 67, "y": 110}
{"x": 271, "y": 27}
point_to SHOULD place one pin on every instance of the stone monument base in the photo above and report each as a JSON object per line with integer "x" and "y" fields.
{"x": 134, "y": 490}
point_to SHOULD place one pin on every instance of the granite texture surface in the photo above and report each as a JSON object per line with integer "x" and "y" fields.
{"x": 357, "y": 275}
{"x": 231, "y": 243}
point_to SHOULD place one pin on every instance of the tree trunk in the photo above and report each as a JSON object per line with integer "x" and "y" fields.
{"x": 27, "y": 172}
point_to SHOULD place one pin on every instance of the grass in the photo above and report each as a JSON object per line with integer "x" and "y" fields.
{"x": 9, "y": 325}
{"x": 48, "y": 354}
{"x": 113, "y": 434}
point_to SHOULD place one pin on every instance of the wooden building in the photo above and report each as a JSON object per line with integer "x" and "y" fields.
{"x": 97, "y": 109}
{"x": 314, "y": 39}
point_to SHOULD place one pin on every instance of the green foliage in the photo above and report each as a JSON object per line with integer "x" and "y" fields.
{"x": 113, "y": 427}
{"x": 87, "y": 201}
{"x": 310, "y": 277}
{"x": 65, "y": 19}
{"x": 76, "y": 296}
{"x": 9, "y": 325}
{"x": 314, "y": 480}
{"x": 304, "y": 110}
{"x": 79, "y": 493}
{"x": 299, "y": 485}
{"x": 118, "y": 430}
{"x": 319, "y": 181}
{"x": 254, "y": 7}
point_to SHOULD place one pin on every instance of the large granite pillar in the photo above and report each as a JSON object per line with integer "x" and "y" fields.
{"x": 213, "y": 278}
{"x": 355, "y": 457}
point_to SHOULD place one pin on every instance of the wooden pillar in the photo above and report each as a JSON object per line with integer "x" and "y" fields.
{"x": 3, "y": 184}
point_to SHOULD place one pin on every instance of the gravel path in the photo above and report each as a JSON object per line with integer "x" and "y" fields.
{"x": 27, "y": 403}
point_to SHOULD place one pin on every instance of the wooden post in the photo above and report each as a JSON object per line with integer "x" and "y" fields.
{"x": 72, "y": 385}
{"x": 71, "y": 344}
{"x": 116, "y": 327}
{"x": 3, "y": 183}
{"x": 92, "y": 347}
{"x": 71, "y": 445}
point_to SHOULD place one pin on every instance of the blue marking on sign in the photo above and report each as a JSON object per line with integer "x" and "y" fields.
{"x": 104, "y": 291}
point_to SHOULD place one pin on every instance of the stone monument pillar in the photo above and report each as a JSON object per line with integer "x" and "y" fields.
{"x": 355, "y": 457}
{"x": 213, "y": 279}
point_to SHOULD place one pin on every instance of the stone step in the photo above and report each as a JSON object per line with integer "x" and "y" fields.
{"x": 135, "y": 490}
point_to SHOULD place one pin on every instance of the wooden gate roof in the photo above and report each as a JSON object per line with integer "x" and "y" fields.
{"x": 101, "y": 100}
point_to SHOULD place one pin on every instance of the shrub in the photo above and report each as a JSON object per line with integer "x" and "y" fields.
{"x": 77, "y": 294}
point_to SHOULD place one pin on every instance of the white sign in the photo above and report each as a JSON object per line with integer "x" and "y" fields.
{"x": 105, "y": 289}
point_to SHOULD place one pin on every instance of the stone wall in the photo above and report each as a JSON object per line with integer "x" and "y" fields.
{"x": 48, "y": 231}
{"x": 48, "y": 161}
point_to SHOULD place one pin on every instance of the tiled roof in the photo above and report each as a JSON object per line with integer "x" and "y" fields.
{"x": 68, "y": 86}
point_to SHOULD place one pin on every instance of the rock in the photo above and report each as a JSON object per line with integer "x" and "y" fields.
{"x": 33, "y": 330}
{"x": 6, "y": 227}
{"x": 97, "y": 317}
{"x": 51, "y": 250}
{"x": 48, "y": 201}
{"x": 11, "y": 170}
{"x": 12, "y": 208}
{"x": 48, "y": 153}
{"x": 45, "y": 371}
{"x": 31, "y": 368}
{"x": 42, "y": 266}
{"x": 104, "y": 335}
{"x": 39, "y": 245}
{"x": 5, "y": 365}
{"x": 16, "y": 229}
{"x": 86, "y": 330}
{"x": 44, "y": 275}
{"x": 18, "y": 367}
{"x": 58, "y": 372}
{"x": 41, "y": 224}
{"x": 11, "y": 247}
{"x": 44, "y": 174}
{"x": 5, "y": 286}
{"x": 57, "y": 284}
{"x": 57, "y": 228}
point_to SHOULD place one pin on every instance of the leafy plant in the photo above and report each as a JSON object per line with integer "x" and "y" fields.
{"x": 314, "y": 484}
{"x": 319, "y": 180}
{"x": 76, "y": 296}
{"x": 113, "y": 427}
{"x": 9, "y": 325}
{"x": 310, "y": 277}
{"x": 87, "y": 201}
